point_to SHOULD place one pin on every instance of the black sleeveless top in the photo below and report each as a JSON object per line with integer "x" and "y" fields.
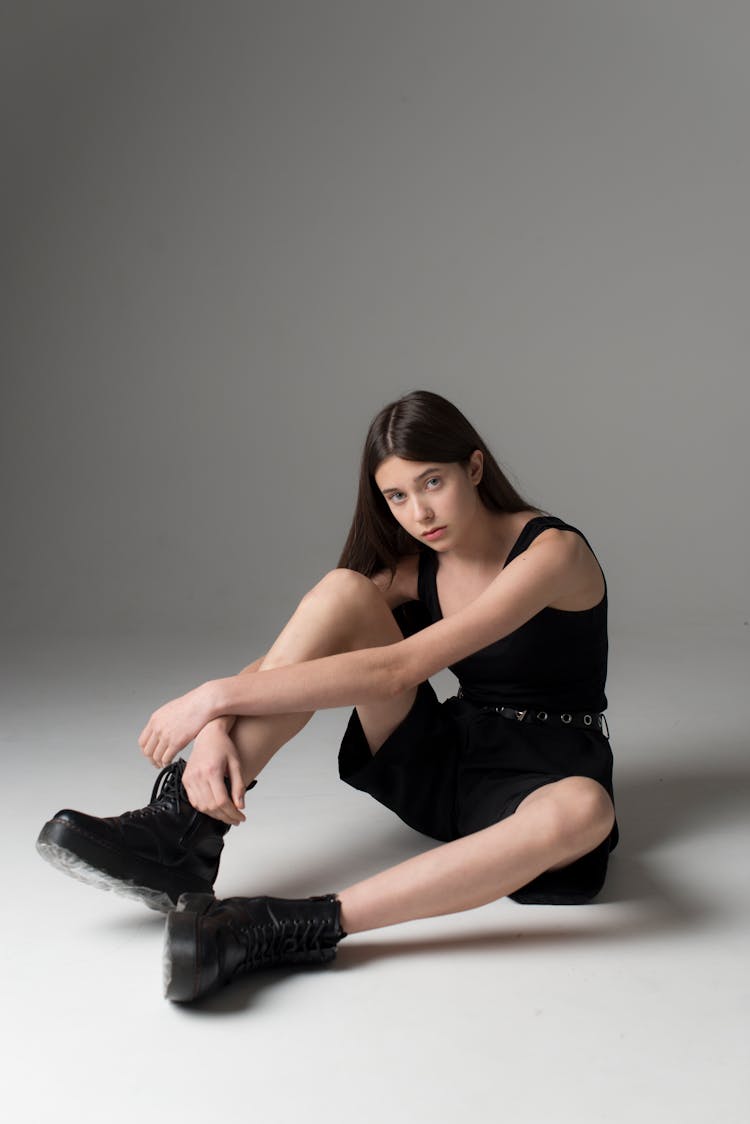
{"x": 556, "y": 661}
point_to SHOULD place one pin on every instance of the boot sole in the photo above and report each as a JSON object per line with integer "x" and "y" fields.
{"x": 80, "y": 857}
{"x": 181, "y": 966}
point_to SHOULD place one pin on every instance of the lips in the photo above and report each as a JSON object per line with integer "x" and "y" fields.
{"x": 432, "y": 531}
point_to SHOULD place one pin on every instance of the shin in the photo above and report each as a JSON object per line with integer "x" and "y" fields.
{"x": 343, "y": 612}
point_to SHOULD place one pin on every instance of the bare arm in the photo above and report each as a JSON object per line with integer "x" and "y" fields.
{"x": 365, "y": 675}
{"x": 225, "y": 722}
{"x": 549, "y": 569}
{"x": 214, "y": 759}
{"x": 395, "y": 590}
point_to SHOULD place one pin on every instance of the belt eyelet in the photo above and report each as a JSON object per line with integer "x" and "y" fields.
{"x": 567, "y": 718}
{"x": 542, "y": 715}
{"x": 587, "y": 719}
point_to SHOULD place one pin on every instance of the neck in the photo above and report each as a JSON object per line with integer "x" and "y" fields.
{"x": 488, "y": 540}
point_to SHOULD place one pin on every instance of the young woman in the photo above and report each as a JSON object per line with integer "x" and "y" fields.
{"x": 445, "y": 565}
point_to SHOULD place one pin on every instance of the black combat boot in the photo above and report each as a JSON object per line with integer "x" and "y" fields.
{"x": 208, "y": 942}
{"x": 153, "y": 854}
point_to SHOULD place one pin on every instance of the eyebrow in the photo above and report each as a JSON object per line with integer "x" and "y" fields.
{"x": 427, "y": 472}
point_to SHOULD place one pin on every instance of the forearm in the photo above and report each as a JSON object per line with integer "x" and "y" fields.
{"x": 226, "y": 722}
{"x": 346, "y": 679}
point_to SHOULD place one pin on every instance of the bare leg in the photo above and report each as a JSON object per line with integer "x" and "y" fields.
{"x": 343, "y": 612}
{"x": 555, "y": 825}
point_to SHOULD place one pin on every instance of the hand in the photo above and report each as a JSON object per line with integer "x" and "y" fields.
{"x": 213, "y": 758}
{"x": 174, "y": 725}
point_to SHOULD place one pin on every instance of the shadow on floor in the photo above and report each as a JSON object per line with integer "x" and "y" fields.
{"x": 654, "y": 807}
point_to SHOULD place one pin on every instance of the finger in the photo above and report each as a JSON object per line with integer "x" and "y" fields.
{"x": 163, "y": 753}
{"x": 200, "y": 796}
{"x": 152, "y": 743}
{"x": 154, "y": 750}
{"x": 166, "y": 756}
{"x": 236, "y": 782}
{"x": 219, "y": 814}
{"x": 194, "y": 788}
{"x": 223, "y": 806}
{"x": 203, "y": 798}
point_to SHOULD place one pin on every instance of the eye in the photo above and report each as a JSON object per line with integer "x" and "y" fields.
{"x": 433, "y": 478}
{"x": 393, "y": 495}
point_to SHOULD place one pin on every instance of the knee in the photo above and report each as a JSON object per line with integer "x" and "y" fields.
{"x": 585, "y": 812}
{"x": 351, "y": 610}
{"x": 344, "y": 586}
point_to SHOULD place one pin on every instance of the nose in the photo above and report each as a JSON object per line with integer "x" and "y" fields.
{"x": 422, "y": 511}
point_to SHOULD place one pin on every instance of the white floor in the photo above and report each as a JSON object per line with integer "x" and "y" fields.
{"x": 633, "y": 1008}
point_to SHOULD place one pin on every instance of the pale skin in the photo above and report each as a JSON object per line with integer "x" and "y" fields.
{"x": 342, "y": 647}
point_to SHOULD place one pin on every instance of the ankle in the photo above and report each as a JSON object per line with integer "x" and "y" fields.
{"x": 348, "y": 919}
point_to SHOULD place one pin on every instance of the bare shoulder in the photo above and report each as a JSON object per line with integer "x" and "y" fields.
{"x": 403, "y": 588}
{"x": 571, "y": 553}
{"x": 565, "y": 545}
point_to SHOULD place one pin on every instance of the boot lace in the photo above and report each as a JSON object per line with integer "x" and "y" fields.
{"x": 167, "y": 790}
{"x": 273, "y": 941}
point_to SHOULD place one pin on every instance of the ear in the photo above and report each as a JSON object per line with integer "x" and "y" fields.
{"x": 476, "y": 466}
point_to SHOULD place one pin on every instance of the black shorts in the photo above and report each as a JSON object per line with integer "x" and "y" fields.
{"x": 451, "y": 768}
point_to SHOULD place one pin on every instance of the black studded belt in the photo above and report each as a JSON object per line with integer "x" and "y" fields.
{"x": 585, "y": 720}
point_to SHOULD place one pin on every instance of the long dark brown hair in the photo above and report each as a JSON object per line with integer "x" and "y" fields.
{"x": 421, "y": 426}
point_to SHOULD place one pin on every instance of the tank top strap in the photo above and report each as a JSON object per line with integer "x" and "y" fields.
{"x": 427, "y": 572}
{"x": 540, "y": 523}
{"x": 533, "y": 528}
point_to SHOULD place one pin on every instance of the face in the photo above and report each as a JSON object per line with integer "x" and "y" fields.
{"x": 430, "y": 496}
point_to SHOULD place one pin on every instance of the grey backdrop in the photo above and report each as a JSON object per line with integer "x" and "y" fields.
{"x": 233, "y": 231}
